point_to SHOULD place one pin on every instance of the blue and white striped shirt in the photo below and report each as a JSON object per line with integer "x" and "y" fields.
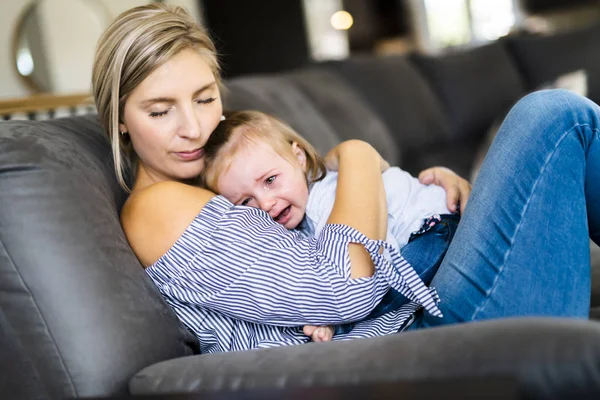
{"x": 239, "y": 280}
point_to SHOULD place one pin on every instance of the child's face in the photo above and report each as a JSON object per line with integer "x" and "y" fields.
{"x": 259, "y": 177}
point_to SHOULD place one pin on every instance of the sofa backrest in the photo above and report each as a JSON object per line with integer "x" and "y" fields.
{"x": 418, "y": 111}
{"x": 350, "y": 116}
{"x": 275, "y": 95}
{"x": 474, "y": 86}
{"x": 399, "y": 94}
{"x": 542, "y": 59}
{"x": 78, "y": 315}
{"x": 318, "y": 104}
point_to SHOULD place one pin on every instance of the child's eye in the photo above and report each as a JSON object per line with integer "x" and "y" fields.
{"x": 206, "y": 101}
{"x": 158, "y": 114}
{"x": 245, "y": 202}
{"x": 270, "y": 180}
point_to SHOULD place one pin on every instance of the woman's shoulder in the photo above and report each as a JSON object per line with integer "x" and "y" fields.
{"x": 154, "y": 217}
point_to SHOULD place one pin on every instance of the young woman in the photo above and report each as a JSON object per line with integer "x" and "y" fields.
{"x": 233, "y": 275}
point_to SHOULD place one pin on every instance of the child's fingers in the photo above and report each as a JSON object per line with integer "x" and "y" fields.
{"x": 309, "y": 330}
{"x": 325, "y": 333}
{"x": 322, "y": 332}
{"x": 318, "y": 333}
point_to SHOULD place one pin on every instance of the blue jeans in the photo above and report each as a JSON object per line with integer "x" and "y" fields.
{"x": 522, "y": 246}
{"x": 424, "y": 252}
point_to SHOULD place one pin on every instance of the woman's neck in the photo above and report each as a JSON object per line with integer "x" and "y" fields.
{"x": 143, "y": 179}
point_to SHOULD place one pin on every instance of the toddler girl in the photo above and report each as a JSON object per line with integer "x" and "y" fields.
{"x": 256, "y": 160}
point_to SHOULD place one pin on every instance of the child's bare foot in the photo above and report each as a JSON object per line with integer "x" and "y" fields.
{"x": 319, "y": 333}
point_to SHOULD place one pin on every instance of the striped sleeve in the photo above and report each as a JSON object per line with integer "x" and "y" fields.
{"x": 246, "y": 266}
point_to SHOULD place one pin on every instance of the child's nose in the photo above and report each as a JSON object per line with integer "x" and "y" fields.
{"x": 266, "y": 203}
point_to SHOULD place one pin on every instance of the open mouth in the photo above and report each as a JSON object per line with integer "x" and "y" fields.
{"x": 283, "y": 216}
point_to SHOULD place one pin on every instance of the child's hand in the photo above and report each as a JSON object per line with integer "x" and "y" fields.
{"x": 322, "y": 333}
{"x": 457, "y": 188}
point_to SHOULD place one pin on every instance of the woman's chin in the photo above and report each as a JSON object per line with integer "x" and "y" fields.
{"x": 189, "y": 171}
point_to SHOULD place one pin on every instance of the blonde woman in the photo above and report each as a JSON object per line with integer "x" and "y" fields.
{"x": 233, "y": 275}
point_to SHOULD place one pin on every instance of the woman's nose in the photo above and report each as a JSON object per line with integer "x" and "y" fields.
{"x": 190, "y": 125}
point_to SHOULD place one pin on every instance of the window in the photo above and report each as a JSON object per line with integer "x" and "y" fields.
{"x": 462, "y": 22}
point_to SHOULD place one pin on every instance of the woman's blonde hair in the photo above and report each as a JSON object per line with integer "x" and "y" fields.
{"x": 138, "y": 42}
{"x": 241, "y": 127}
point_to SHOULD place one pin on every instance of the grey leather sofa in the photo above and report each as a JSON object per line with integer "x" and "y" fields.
{"x": 79, "y": 318}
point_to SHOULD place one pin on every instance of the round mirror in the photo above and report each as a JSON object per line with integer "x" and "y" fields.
{"x": 54, "y": 43}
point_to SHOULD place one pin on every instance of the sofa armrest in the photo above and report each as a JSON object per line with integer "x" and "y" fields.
{"x": 550, "y": 358}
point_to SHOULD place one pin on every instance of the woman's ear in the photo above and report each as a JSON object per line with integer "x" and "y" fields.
{"x": 122, "y": 127}
{"x": 300, "y": 154}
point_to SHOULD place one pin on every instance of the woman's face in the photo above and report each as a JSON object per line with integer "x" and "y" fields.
{"x": 170, "y": 115}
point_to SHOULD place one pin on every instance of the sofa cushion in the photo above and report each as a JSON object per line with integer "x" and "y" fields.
{"x": 400, "y": 95}
{"x": 542, "y": 59}
{"x": 550, "y": 358}
{"x": 75, "y": 300}
{"x": 276, "y": 95}
{"x": 474, "y": 86}
{"x": 344, "y": 110}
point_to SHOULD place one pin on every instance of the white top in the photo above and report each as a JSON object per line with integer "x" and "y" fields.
{"x": 409, "y": 204}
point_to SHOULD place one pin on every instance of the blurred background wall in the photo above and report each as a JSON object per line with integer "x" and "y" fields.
{"x": 62, "y": 35}
{"x": 53, "y": 45}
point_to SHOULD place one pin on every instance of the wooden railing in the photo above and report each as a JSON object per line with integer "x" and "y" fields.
{"x": 44, "y": 106}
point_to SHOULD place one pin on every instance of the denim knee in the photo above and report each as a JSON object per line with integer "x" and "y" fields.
{"x": 550, "y": 103}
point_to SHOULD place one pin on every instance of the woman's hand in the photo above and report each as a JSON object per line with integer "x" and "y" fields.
{"x": 332, "y": 158}
{"x": 457, "y": 189}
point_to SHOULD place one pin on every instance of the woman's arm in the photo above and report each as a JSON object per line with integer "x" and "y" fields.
{"x": 360, "y": 200}
{"x": 155, "y": 217}
{"x": 239, "y": 262}
{"x": 251, "y": 268}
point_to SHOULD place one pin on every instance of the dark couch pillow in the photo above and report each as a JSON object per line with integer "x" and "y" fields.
{"x": 474, "y": 86}
{"x": 278, "y": 96}
{"x": 347, "y": 113}
{"x": 400, "y": 95}
{"x": 542, "y": 59}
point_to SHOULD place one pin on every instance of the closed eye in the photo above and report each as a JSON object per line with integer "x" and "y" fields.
{"x": 158, "y": 114}
{"x": 206, "y": 101}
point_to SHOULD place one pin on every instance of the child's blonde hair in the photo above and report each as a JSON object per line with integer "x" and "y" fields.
{"x": 240, "y": 127}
